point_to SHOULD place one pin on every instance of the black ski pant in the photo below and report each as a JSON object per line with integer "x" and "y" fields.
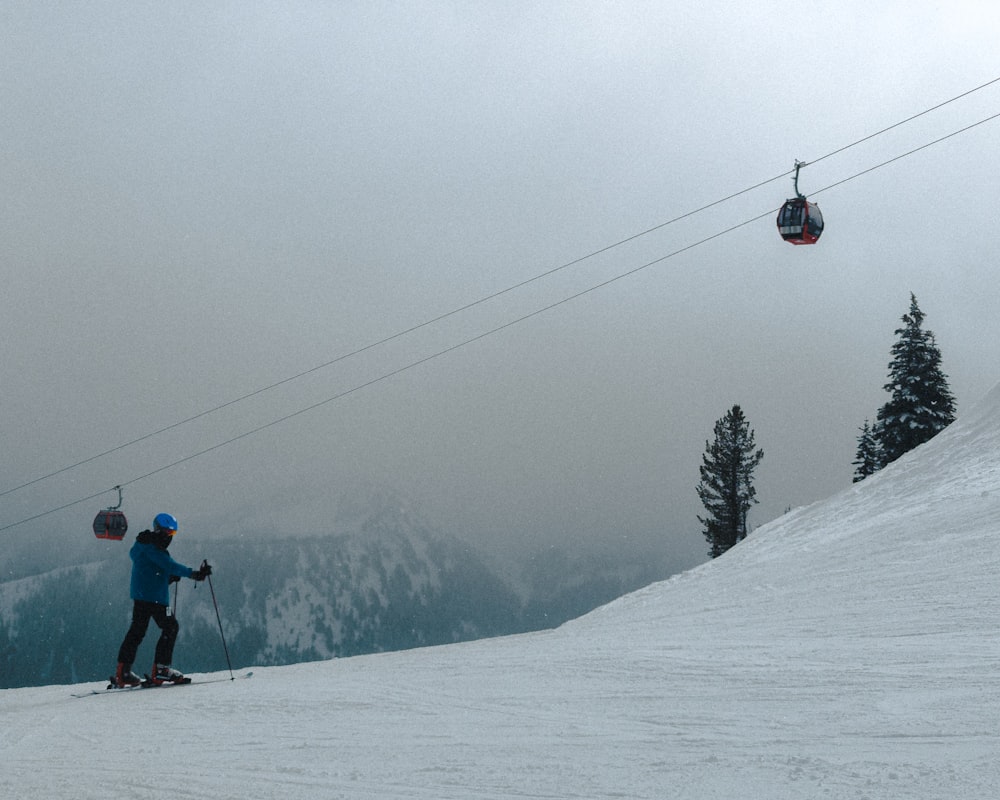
{"x": 142, "y": 612}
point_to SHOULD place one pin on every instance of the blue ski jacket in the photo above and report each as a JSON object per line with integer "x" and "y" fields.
{"x": 152, "y": 567}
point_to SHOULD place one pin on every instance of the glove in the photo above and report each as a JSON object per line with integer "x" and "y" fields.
{"x": 174, "y": 579}
{"x": 202, "y": 572}
{"x": 198, "y": 575}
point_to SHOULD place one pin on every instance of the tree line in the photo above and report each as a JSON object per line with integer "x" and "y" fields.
{"x": 920, "y": 406}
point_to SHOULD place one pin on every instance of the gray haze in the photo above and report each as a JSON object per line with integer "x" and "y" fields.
{"x": 200, "y": 202}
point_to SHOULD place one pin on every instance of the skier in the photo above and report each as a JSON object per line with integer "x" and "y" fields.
{"x": 153, "y": 570}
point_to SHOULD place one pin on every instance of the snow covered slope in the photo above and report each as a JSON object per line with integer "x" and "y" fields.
{"x": 847, "y": 650}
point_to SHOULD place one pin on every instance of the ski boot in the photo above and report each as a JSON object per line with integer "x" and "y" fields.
{"x": 124, "y": 677}
{"x": 164, "y": 673}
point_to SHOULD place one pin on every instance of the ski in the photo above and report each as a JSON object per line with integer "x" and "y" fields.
{"x": 148, "y": 684}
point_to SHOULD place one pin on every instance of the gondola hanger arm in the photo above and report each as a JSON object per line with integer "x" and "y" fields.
{"x": 798, "y": 166}
{"x": 115, "y": 508}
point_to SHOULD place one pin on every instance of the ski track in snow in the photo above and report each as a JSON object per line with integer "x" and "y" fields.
{"x": 846, "y": 650}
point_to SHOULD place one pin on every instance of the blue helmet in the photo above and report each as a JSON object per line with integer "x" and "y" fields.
{"x": 165, "y": 522}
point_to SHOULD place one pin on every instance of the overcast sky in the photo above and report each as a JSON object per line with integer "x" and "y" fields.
{"x": 203, "y": 199}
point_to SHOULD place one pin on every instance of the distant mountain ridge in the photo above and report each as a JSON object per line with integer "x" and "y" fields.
{"x": 384, "y": 581}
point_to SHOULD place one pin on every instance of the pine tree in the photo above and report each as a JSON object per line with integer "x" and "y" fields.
{"x": 921, "y": 404}
{"x": 726, "y": 488}
{"x": 868, "y": 459}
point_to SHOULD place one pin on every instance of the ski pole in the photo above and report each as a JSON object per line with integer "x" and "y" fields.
{"x": 219, "y": 618}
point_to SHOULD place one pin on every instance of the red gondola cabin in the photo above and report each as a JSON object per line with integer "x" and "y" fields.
{"x": 800, "y": 222}
{"x": 110, "y": 524}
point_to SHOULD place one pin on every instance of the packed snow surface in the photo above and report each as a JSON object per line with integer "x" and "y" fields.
{"x": 847, "y": 650}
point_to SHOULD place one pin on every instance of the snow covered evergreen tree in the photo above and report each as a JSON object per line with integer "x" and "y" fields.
{"x": 868, "y": 458}
{"x": 726, "y": 488}
{"x": 921, "y": 404}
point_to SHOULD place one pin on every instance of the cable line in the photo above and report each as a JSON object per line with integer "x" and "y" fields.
{"x": 387, "y": 339}
{"x": 903, "y": 122}
{"x": 491, "y": 332}
{"x": 397, "y": 371}
{"x": 485, "y": 299}
{"x": 480, "y": 301}
{"x": 910, "y": 152}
